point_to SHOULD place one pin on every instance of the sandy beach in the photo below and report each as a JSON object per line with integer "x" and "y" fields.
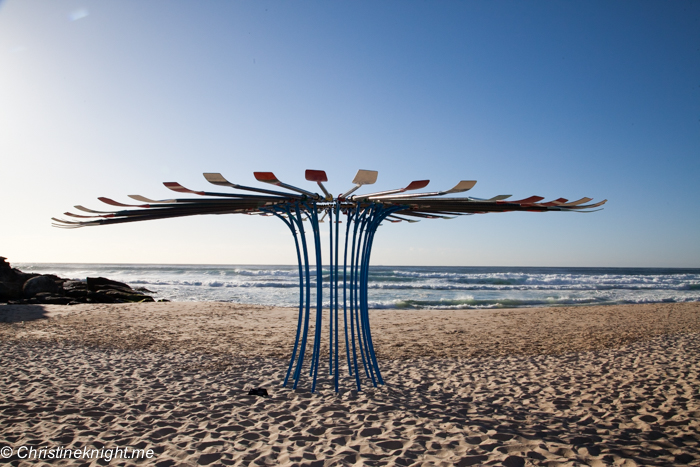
{"x": 615, "y": 385}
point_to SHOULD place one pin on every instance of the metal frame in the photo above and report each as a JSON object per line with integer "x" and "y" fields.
{"x": 362, "y": 214}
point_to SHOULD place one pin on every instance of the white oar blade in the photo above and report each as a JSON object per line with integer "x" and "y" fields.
{"x": 464, "y": 185}
{"x": 151, "y": 201}
{"x": 216, "y": 179}
{"x": 365, "y": 177}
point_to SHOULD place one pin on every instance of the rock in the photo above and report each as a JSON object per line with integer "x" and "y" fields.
{"x": 96, "y": 283}
{"x": 118, "y": 295}
{"x": 74, "y": 285}
{"x": 49, "y": 298}
{"x": 17, "y": 287}
{"x": 10, "y": 291}
{"x": 76, "y": 293}
{"x": 40, "y": 284}
{"x": 11, "y": 281}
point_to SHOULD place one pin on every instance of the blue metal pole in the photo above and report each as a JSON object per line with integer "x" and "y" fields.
{"x": 358, "y": 296}
{"x": 345, "y": 289}
{"x": 337, "y": 240}
{"x": 363, "y": 291}
{"x": 380, "y": 214}
{"x": 330, "y": 295}
{"x": 290, "y": 224}
{"x": 319, "y": 296}
{"x": 354, "y": 326}
{"x": 371, "y": 230}
{"x": 302, "y": 350}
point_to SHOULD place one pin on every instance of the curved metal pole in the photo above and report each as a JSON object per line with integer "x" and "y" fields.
{"x": 349, "y": 213}
{"x": 362, "y": 309}
{"x": 337, "y": 240}
{"x": 319, "y": 296}
{"x": 353, "y": 301}
{"x": 366, "y": 214}
{"x": 330, "y": 294}
{"x": 290, "y": 224}
{"x": 302, "y": 350}
{"x": 379, "y": 215}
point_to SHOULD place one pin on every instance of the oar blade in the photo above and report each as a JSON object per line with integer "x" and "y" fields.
{"x": 464, "y": 185}
{"x": 365, "y": 177}
{"x": 316, "y": 175}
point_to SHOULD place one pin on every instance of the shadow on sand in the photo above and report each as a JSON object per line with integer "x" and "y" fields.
{"x": 18, "y": 313}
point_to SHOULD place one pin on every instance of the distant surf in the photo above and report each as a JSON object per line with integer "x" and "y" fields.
{"x": 403, "y": 287}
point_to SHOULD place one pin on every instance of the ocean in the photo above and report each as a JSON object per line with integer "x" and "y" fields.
{"x": 402, "y": 287}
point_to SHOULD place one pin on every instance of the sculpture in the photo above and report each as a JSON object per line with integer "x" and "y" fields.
{"x": 362, "y": 215}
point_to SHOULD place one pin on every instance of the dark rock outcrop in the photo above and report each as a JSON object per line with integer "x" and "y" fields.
{"x": 17, "y": 287}
{"x": 11, "y": 281}
{"x": 41, "y": 284}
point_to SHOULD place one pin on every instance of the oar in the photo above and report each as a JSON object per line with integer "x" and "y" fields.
{"x": 464, "y": 185}
{"x": 181, "y": 189}
{"x": 269, "y": 177}
{"x": 319, "y": 176}
{"x": 122, "y": 205}
{"x": 400, "y": 219}
{"x": 414, "y": 185}
{"x": 363, "y": 177}
{"x": 84, "y": 209}
{"x": 490, "y": 200}
{"x": 576, "y": 203}
{"x": 218, "y": 179}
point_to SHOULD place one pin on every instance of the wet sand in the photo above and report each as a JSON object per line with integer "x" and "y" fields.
{"x": 614, "y": 385}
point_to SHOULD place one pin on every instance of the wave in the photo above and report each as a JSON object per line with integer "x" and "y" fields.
{"x": 403, "y": 287}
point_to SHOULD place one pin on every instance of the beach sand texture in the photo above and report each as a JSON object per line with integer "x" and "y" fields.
{"x": 615, "y": 385}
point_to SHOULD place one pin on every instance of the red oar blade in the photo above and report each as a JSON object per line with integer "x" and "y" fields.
{"x": 530, "y": 200}
{"x": 316, "y": 175}
{"x": 269, "y": 177}
{"x": 266, "y": 177}
{"x": 319, "y": 176}
{"x": 181, "y": 189}
{"x": 122, "y": 205}
{"x": 417, "y": 185}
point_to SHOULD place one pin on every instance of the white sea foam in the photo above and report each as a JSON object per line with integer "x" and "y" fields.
{"x": 403, "y": 287}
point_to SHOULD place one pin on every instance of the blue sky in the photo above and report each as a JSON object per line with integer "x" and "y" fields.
{"x": 550, "y": 98}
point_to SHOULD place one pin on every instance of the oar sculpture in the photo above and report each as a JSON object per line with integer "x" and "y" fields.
{"x": 348, "y": 278}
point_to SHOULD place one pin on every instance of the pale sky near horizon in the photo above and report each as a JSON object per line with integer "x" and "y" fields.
{"x": 550, "y": 98}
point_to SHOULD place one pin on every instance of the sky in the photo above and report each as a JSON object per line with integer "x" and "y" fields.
{"x": 550, "y": 98}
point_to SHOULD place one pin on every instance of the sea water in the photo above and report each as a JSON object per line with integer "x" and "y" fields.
{"x": 401, "y": 287}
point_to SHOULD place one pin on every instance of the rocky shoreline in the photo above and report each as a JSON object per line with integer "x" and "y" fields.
{"x": 19, "y": 288}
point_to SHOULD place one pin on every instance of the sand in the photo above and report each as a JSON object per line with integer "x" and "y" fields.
{"x": 614, "y": 385}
